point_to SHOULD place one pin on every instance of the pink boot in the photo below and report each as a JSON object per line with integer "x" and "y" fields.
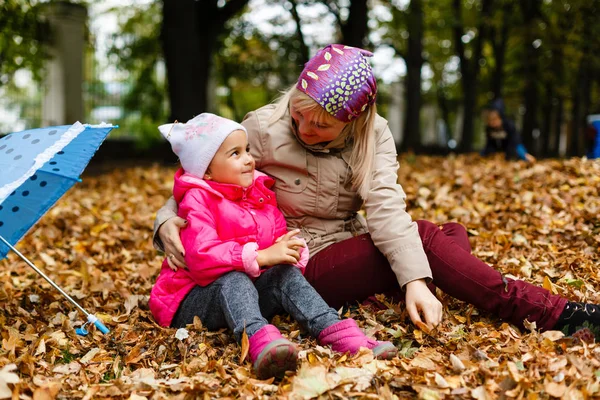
{"x": 271, "y": 353}
{"x": 346, "y": 337}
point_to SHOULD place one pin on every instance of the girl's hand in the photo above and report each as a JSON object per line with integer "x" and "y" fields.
{"x": 286, "y": 250}
{"x": 419, "y": 299}
{"x": 530, "y": 159}
{"x": 169, "y": 234}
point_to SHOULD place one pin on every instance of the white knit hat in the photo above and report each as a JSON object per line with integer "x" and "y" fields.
{"x": 197, "y": 141}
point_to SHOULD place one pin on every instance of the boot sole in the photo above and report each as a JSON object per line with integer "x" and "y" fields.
{"x": 276, "y": 358}
{"x": 385, "y": 351}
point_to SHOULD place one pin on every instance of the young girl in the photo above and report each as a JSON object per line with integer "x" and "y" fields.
{"x": 243, "y": 265}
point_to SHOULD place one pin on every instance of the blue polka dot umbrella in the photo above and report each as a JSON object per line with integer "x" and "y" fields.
{"x": 37, "y": 167}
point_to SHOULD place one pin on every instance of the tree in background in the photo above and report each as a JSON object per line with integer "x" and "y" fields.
{"x": 470, "y": 59}
{"x": 21, "y": 39}
{"x": 532, "y": 13}
{"x": 190, "y": 34}
{"x": 500, "y": 26}
{"x": 404, "y": 33}
{"x": 22, "y": 33}
{"x": 444, "y": 91}
{"x": 588, "y": 71}
{"x": 354, "y": 28}
{"x": 251, "y": 67}
{"x": 138, "y": 52}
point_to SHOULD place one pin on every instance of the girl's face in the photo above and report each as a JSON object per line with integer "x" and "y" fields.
{"x": 493, "y": 120}
{"x": 233, "y": 163}
{"x": 312, "y": 132}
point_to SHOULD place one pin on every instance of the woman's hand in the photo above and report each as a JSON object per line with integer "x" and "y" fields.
{"x": 169, "y": 234}
{"x": 286, "y": 250}
{"x": 419, "y": 299}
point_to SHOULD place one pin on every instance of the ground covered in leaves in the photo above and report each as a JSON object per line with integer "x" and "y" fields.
{"x": 539, "y": 223}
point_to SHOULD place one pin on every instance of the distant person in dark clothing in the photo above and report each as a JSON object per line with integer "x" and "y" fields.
{"x": 502, "y": 135}
{"x": 593, "y": 136}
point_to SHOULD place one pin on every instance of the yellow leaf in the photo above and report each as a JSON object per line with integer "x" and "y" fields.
{"x": 423, "y": 326}
{"x": 99, "y": 228}
{"x": 547, "y": 283}
{"x": 245, "y": 346}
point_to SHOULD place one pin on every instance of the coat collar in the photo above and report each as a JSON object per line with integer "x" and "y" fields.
{"x": 259, "y": 189}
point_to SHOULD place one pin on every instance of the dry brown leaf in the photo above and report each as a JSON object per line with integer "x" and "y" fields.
{"x": 245, "y": 346}
{"x": 96, "y": 244}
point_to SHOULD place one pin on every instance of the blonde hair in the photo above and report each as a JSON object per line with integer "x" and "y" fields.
{"x": 361, "y": 130}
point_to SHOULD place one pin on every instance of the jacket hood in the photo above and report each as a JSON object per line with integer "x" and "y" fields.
{"x": 498, "y": 106}
{"x": 184, "y": 182}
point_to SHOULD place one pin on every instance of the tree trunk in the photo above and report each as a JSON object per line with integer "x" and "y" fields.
{"x": 445, "y": 110}
{"x": 531, "y": 12}
{"x": 499, "y": 45}
{"x": 190, "y": 32}
{"x": 354, "y": 30}
{"x": 304, "y": 53}
{"x": 581, "y": 95}
{"x": 414, "y": 63}
{"x": 182, "y": 58}
{"x": 558, "y": 120}
{"x": 469, "y": 68}
{"x": 547, "y": 109}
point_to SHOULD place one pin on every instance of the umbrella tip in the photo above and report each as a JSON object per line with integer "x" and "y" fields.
{"x": 94, "y": 320}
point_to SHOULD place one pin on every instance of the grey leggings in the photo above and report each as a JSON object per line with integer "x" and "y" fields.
{"x": 234, "y": 301}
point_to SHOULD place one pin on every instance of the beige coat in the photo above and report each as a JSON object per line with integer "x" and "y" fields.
{"x": 314, "y": 193}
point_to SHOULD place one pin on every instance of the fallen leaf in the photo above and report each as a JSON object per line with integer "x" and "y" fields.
{"x": 245, "y": 346}
{"x": 7, "y": 377}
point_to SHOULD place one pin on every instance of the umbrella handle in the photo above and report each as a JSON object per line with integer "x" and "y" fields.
{"x": 94, "y": 320}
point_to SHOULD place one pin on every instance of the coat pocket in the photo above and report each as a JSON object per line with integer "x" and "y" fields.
{"x": 290, "y": 170}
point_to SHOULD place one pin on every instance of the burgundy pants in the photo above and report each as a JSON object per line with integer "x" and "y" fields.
{"x": 355, "y": 269}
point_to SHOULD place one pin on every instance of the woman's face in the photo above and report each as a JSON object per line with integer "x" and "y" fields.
{"x": 312, "y": 132}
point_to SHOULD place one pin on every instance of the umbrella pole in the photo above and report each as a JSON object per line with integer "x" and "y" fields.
{"x": 45, "y": 277}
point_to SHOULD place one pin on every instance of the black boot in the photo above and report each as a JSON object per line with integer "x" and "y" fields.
{"x": 581, "y": 320}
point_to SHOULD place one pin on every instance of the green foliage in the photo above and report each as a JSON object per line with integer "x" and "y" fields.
{"x": 138, "y": 54}
{"x": 20, "y": 39}
{"x": 66, "y": 356}
{"x": 254, "y": 67}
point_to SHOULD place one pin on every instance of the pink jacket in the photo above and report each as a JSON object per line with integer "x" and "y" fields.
{"x": 227, "y": 225}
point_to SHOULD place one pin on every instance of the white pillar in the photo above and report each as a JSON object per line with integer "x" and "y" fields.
{"x": 397, "y": 111}
{"x": 63, "y": 99}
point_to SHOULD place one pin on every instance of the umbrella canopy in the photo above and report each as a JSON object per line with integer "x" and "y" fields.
{"x": 37, "y": 167}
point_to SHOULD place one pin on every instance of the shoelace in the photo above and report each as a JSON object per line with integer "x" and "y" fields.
{"x": 575, "y": 307}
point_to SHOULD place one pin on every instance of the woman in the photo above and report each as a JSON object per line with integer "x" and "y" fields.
{"x": 330, "y": 154}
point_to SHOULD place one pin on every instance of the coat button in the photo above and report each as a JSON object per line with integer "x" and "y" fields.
{"x": 297, "y": 181}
